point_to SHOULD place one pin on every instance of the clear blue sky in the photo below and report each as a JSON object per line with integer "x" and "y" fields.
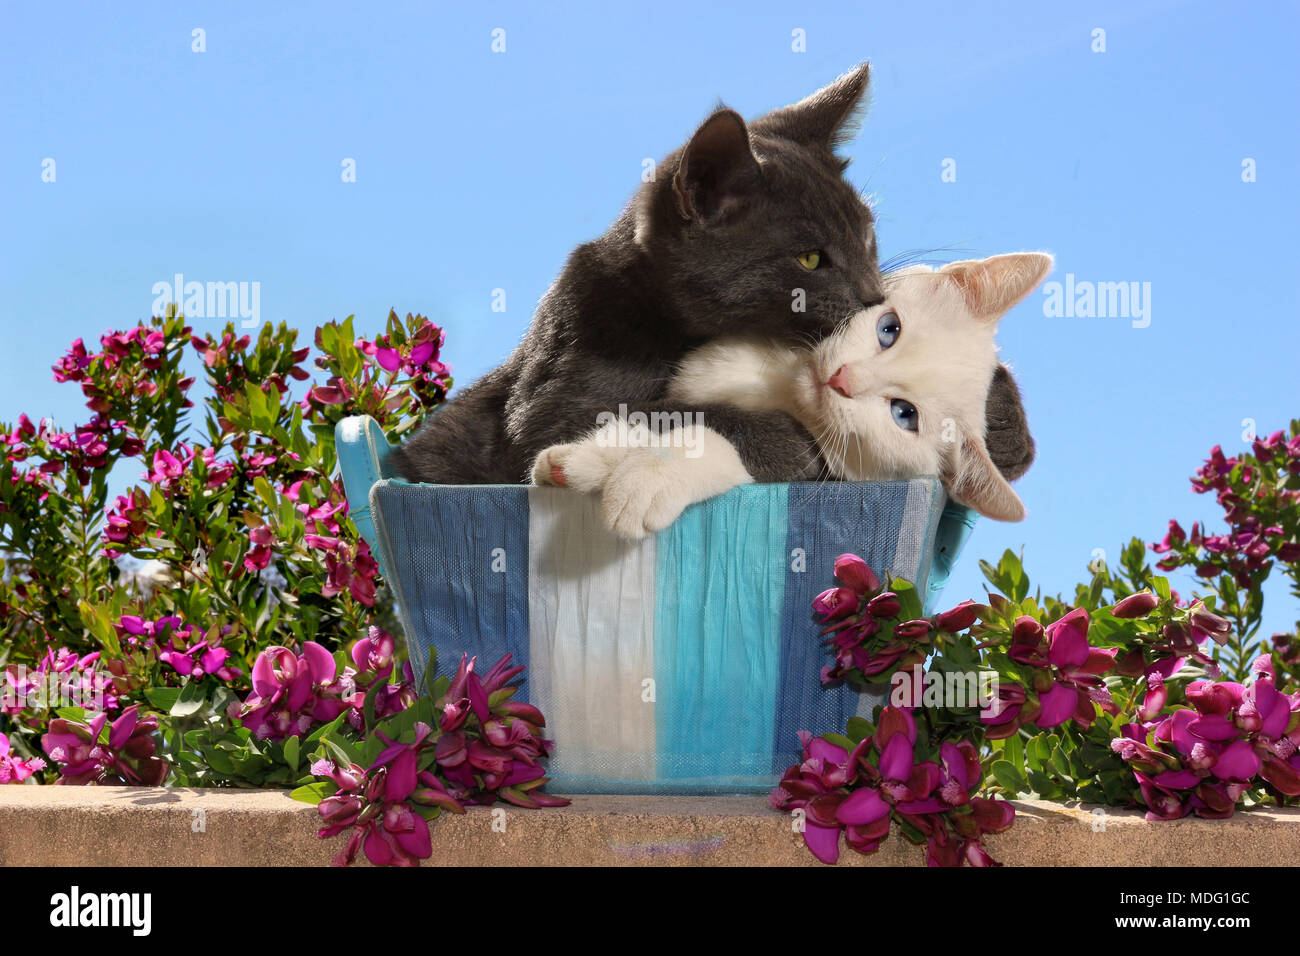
{"x": 478, "y": 170}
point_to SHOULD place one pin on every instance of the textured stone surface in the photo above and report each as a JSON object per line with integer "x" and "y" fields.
{"x": 89, "y": 826}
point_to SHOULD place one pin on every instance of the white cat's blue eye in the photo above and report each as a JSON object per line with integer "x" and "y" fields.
{"x": 904, "y": 413}
{"x": 888, "y": 328}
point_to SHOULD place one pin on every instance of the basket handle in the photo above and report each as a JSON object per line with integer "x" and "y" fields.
{"x": 363, "y": 451}
{"x": 955, "y": 525}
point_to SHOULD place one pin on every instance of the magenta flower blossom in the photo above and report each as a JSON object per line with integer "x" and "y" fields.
{"x": 817, "y": 786}
{"x": 166, "y": 467}
{"x": 375, "y": 804}
{"x": 1202, "y": 759}
{"x": 69, "y": 676}
{"x": 478, "y": 752}
{"x": 850, "y": 794}
{"x": 258, "y": 555}
{"x": 126, "y": 521}
{"x": 125, "y": 758}
{"x": 1076, "y": 666}
{"x": 169, "y": 638}
{"x": 294, "y": 692}
{"x": 15, "y": 769}
{"x": 199, "y": 660}
{"x": 1069, "y": 683}
{"x": 856, "y": 575}
{"x": 958, "y": 618}
{"x": 854, "y": 614}
{"x": 355, "y": 572}
{"x": 487, "y": 751}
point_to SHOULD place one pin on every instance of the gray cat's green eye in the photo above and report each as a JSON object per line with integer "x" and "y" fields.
{"x": 904, "y": 413}
{"x": 810, "y": 260}
{"x": 888, "y": 329}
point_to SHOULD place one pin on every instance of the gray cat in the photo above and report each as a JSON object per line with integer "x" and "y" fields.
{"x": 737, "y": 225}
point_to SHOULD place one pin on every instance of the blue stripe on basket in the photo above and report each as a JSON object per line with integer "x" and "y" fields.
{"x": 469, "y": 592}
{"x": 720, "y": 592}
{"x": 826, "y": 521}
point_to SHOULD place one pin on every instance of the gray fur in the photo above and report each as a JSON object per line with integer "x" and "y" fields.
{"x": 707, "y": 249}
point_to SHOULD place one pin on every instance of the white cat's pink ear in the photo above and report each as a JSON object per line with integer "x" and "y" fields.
{"x": 976, "y": 482}
{"x": 992, "y": 286}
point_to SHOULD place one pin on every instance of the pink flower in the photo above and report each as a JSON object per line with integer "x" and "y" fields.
{"x": 125, "y": 758}
{"x": 959, "y": 618}
{"x": 14, "y": 769}
{"x": 294, "y": 692}
{"x": 166, "y": 467}
{"x": 855, "y": 574}
{"x": 1136, "y": 605}
{"x": 1071, "y": 664}
{"x": 373, "y": 656}
{"x": 259, "y": 552}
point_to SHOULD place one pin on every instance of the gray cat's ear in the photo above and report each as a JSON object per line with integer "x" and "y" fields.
{"x": 976, "y": 482}
{"x": 717, "y": 169}
{"x": 992, "y": 286}
{"x": 827, "y": 118}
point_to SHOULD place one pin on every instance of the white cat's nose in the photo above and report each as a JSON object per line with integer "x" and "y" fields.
{"x": 840, "y": 382}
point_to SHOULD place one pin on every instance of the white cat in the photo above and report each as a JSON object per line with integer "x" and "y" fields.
{"x": 898, "y": 392}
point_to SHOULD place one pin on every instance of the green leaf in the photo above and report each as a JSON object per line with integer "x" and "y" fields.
{"x": 190, "y": 700}
{"x": 162, "y": 698}
{"x": 96, "y": 620}
{"x": 1014, "y": 750}
{"x": 1061, "y": 763}
{"x": 859, "y": 729}
{"x": 219, "y": 760}
{"x": 265, "y": 492}
{"x": 1037, "y": 751}
{"x": 291, "y": 747}
{"x": 989, "y": 572}
{"x": 340, "y": 752}
{"x": 1008, "y": 777}
{"x": 908, "y": 599}
{"x": 314, "y": 793}
{"x": 1041, "y": 783}
{"x": 326, "y": 729}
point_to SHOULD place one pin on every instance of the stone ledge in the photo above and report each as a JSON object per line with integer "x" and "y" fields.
{"x": 125, "y": 826}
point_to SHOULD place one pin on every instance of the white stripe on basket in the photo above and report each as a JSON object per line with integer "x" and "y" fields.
{"x": 591, "y": 610}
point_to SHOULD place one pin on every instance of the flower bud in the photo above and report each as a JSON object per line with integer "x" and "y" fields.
{"x": 884, "y": 606}
{"x": 958, "y": 618}
{"x": 1136, "y": 605}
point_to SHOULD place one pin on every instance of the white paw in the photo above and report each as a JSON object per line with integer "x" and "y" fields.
{"x": 645, "y": 494}
{"x": 650, "y": 489}
{"x": 582, "y": 466}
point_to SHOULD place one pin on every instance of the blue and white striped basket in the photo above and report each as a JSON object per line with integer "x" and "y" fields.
{"x": 683, "y": 663}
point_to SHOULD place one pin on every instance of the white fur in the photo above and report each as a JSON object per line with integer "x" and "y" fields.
{"x": 942, "y": 363}
{"x": 645, "y": 481}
